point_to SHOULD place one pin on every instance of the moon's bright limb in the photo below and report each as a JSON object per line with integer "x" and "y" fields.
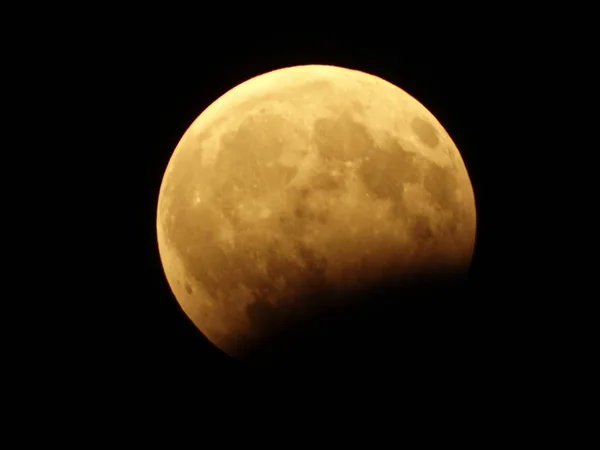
{"x": 304, "y": 179}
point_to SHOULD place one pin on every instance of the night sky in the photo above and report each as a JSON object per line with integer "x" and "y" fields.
{"x": 154, "y": 90}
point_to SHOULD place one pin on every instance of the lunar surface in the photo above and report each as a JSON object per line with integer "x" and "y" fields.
{"x": 299, "y": 188}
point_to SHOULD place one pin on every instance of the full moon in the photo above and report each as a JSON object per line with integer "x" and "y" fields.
{"x": 301, "y": 187}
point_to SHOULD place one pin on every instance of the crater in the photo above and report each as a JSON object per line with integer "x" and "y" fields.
{"x": 188, "y": 288}
{"x": 425, "y": 132}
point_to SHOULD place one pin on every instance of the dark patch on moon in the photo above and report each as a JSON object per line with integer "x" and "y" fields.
{"x": 304, "y": 215}
{"x": 249, "y": 155}
{"x": 303, "y": 212}
{"x": 309, "y": 89}
{"x": 342, "y": 138}
{"x": 188, "y": 288}
{"x": 421, "y": 229}
{"x": 441, "y": 185}
{"x": 425, "y": 132}
{"x": 325, "y": 181}
{"x": 385, "y": 172}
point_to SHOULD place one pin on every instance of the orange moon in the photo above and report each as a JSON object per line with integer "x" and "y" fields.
{"x": 303, "y": 180}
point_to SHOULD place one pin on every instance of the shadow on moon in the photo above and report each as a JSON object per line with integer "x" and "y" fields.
{"x": 420, "y": 325}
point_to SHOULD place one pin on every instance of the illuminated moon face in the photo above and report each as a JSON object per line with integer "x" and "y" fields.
{"x": 304, "y": 180}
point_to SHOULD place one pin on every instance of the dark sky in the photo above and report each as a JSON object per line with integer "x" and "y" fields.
{"x": 152, "y": 90}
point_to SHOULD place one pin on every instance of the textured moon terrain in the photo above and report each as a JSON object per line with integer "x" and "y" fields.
{"x": 299, "y": 191}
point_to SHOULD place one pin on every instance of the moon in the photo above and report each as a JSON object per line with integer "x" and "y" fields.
{"x": 300, "y": 187}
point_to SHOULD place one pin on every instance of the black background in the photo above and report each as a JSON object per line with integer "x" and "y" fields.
{"x": 103, "y": 95}
{"x": 149, "y": 90}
